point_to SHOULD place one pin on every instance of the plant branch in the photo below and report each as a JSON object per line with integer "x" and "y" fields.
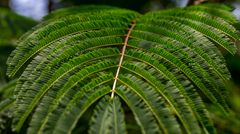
{"x": 121, "y": 58}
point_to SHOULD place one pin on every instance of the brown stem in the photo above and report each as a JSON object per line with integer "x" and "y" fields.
{"x": 121, "y": 58}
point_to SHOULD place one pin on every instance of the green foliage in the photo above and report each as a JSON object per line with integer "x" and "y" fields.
{"x": 6, "y": 106}
{"x": 108, "y": 114}
{"x": 12, "y": 27}
{"x": 228, "y": 124}
{"x": 163, "y": 66}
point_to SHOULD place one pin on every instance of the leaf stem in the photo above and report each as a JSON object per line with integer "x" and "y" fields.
{"x": 121, "y": 58}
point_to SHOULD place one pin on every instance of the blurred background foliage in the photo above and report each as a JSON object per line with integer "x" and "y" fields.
{"x": 13, "y": 26}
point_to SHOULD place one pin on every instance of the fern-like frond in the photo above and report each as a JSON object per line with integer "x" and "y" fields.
{"x": 108, "y": 117}
{"x": 7, "y": 101}
{"x": 6, "y": 90}
{"x": 162, "y": 66}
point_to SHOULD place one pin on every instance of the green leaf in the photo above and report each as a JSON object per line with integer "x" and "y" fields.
{"x": 162, "y": 68}
{"x": 108, "y": 117}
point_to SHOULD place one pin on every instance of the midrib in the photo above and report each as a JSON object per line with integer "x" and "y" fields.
{"x": 121, "y": 58}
